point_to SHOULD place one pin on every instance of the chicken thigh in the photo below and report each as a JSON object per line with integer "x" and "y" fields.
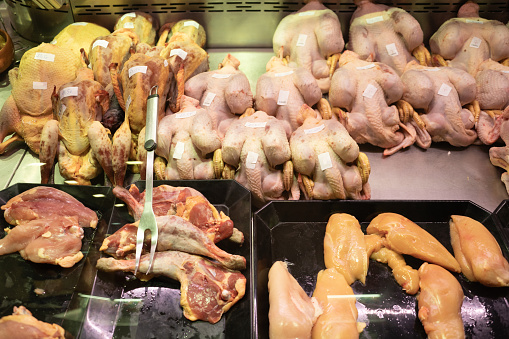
{"x": 441, "y": 92}
{"x": 328, "y": 160}
{"x": 309, "y": 37}
{"x": 468, "y": 40}
{"x": 223, "y": 93}
{"x": 386, "y": 34}
{"x": 22, "y": 325}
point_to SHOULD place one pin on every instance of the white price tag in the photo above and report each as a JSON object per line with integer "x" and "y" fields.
{"x": 369, "y": 91}
{"x": 61, "y": 111}
{"x": 476, "y": 42}
{"x": 180, "y": 52}
{"x": 79, "y": 24}
{"x": 191, "y": 23}
{"x": 129, "y": 25}
{"x": 179, "y": 150}
{"x": 128, "y": 103}
{"x": 128, "y": 15}
{"x": 69, "y": 92}
{"x": 137, "y": 69}
{"x": 102, "y": 43}
{"x": 470, "y": 21}
{"x": 282, "y": 99}
{"x": 40, "y": 85}
{"x": 432, "y": 69}
{"x": 307, "y": 13}
{"x": 301, "y": 41}
{"x": 54, "y": 42}
{"x": 374, "y": 19}
{"x": 314, "y": 129}
{"x": 391, "y": 49}
{"x": 366, "y": 67}
{"x": 44, "y": 56}
{"x": 165, "y": 63}
{"x": 256, "y": 124}
{"x": 505, "y": 72}
{"x": 220, "y": 76}
{"x": 208, "y": 99}
{"x": 184, "y": 115}
{"x": 444, "y": 90}
{"x": 251, "y": 159}
{"x": 283, "y": 74}
{"x": 325, "y": 161}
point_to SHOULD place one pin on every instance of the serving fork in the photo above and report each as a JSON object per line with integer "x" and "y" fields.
{"x": 148, "y": 219}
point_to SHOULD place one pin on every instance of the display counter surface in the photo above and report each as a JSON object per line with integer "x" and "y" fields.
{"x": 441, "y": 172}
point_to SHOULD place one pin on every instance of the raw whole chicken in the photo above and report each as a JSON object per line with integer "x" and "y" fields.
{"x": 283, "y": 90}
{"x": 44, "y": 203}
{"x": 79, "y": 35}
{"x": 76, "y": 136}
{"x": 439, "y": 303}
{"x": 256, "y": 144}
{"x": 478, "y": 252}
{"x": 366, "y": 90}
{"x": 22, "y": 325}
{"x": 55, "y": 241}
{"x": 143, "y": 24}
{"x": 175, "y": 234}
{"x": 328, "y": 160}
{"x": 292, "y": 313}
{"x": 405, "y": 275}
{"x": 207, "y": 290}
{"x": 441, "y": 92}
{"x": 309, "y": 37}
{"x": 185, "y": 141}
{"x": 28, "y": 108}
{"x": 385, "y": 34}
{"x": 189, "y": 27}
{"x": 139, "y": 75}
{"x": 223, "y": 93}
{"x": 405, "y": 237}
{"x": 339, "y": 317}
{"x": 468, "y": 40}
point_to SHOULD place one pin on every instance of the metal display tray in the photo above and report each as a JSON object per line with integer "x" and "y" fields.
{"x": 19, "y": 278}
{"x": 117, "y": 305}
{"x": 294, "y": 231}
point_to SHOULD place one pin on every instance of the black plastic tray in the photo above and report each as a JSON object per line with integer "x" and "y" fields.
{"x": 293, "y": 232}
{"x": 117, "y": 305}
{"x": 19, "y": 278}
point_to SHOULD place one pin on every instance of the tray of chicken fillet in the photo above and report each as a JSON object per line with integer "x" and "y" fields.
{"x": 379, "y": 269}
{"x": 45, "y": 236}
{"x": 199, "y": 282}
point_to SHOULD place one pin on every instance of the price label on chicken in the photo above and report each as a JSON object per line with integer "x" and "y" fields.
{"x": 184, "y": 115}
{"x": 307, "y": 13}
{"x": 208, "y": 99}
{"x": 128, "y": 103}
{"x": 79, "y": 24}
{"x": 251, "y": 159}
{"x": 165, "y": 63}
{"x": 476, "y": 42}
{"x": 39, "y": 85}
{"x": 374, "y": 19}
{"x": 282, "y": 98}
{"x": 470, "y": 21}
{"x": 220, "y": 76}
{"x": 314, "y": 129}
{"x": 179, "y": 52}
{"x": 301, "y": 41}
{"x": 325, "y": 161}
{"x": 129, "y": 25}
{"x": 391, "y": 49}
{"x": 62, "y": 110}
{"x": 179, "y": 150}
{"x": 431, "y": 69}
{"x": 102, "y": 43}
{"x": 369, "y": 91}
{"x": 69, "y": 92}
{"x": 444, "y": 90}
{"x": 191, "y": 23}
{"x": 283, "y": 74}
{"x": 366, "y": 67}
{"x": 256, "y": 124}
{"x": 137, "y": 69}
{"x": 44, "y": 56}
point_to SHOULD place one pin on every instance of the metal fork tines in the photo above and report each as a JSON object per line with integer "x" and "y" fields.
{"x": 148, "y": 219}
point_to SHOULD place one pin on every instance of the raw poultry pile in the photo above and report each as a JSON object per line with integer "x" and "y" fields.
{"x": 331, "y": 311}
{"x": 386, "y": 89}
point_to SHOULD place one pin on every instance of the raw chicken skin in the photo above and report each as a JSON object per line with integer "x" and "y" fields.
{"x": 384, "y": 34}
{"x": 224, "y": 93}
{"x": 336, "y": 297}
{"x": 143, "y": 24}
{"x": 176, "y": 234}
{"x": 405, "y": 237}
{"x": 46, "y": 202}
{"x": 441, "y": 92}
{"x": 478, "y": 252}
{"x": 79, "y": 35}
{"x": 55, "y": 241}
{"x": 309, "y": 36}
{"x": 345, "y": 248}
{"x": 499, "y": 156}
{"x": 207, "y": 290}
{"x": 468, "y": 40}
{"x": 292, "y": 313}
{"x": 22, "y": 325}
{"x": 439, "y": 303}
{"x": 405, "y": 275}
